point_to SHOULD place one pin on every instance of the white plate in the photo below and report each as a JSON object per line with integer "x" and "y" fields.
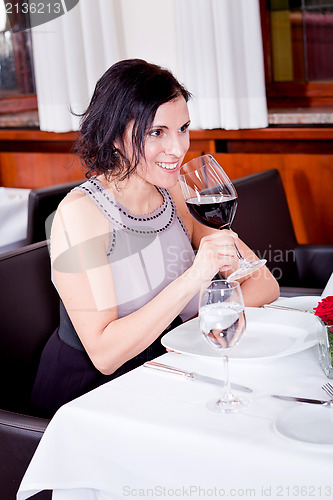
{"x": 306, "y": 302}
{"x": 307, "y": 423}
{"x": 270, "y": 333}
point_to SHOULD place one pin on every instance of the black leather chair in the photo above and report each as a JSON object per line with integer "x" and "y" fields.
{"x": 29, "y": 313}
{"x": 42, "y": 204}
{"x": 263, "y": 221}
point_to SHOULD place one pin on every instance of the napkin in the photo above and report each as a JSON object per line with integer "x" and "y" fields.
{"x": 328, "y": 290}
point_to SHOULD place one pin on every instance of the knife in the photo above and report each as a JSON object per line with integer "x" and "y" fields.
{"x": 193, "y": 375}
{"x": 287, "y": 308}
{"x": 305, "y": 400}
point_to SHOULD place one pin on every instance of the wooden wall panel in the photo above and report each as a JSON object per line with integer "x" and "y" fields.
{"x": 33, "y": 170}
{"x": 303, "y": 155}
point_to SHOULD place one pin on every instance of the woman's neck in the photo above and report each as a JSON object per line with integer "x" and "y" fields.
{"x": 137, "y": 195}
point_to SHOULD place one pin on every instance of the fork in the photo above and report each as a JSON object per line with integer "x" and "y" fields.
{"x": 328, "y": 388}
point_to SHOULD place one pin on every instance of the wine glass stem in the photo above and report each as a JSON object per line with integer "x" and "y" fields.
{"x": 239, "y": 255}
{"x": 227, "y": 389}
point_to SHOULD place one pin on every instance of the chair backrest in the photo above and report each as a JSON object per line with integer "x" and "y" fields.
{"x": 263, "y": 221}
{"x": 19, "y": 437}
{"x": 42, "y": 204}
{"x": 29, "y": 313}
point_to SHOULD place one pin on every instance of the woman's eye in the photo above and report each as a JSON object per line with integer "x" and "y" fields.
{"x": 155, "y": 133}
{"x": 185, "y": 127}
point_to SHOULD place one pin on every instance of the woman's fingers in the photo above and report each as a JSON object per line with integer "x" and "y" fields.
{"x": 221, "y": 235}
{"x": 216, "y": 252}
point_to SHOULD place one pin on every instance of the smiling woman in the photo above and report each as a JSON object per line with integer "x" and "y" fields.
{"x": 122, "y": 243}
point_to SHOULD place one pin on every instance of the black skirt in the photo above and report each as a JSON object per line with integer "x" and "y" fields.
{"x": 65, "y": 373}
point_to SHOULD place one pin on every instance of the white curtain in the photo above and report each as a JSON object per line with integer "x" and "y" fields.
{"x": 216, "y": 51}
{"x": 221, "y": 62}
{"x": 70, "y": 54}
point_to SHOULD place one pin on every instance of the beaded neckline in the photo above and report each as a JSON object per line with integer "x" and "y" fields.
{"x": 95, "y": 189}
{"x": 124, "y": 210}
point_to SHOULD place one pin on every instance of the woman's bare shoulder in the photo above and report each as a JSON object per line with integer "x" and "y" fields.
{"x": 77, "y": 206}
{"x": 76, "y": 221}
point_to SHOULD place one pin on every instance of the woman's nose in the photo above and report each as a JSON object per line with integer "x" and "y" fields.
{"x": 174, "y": 145}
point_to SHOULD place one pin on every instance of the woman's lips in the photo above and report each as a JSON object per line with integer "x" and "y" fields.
{"x": 167, "y": 166}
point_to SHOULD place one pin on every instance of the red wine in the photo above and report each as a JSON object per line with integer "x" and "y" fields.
{"x": 215, "y": 211}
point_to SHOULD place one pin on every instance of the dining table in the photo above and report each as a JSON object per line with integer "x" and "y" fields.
{"x": 148, "y": 434}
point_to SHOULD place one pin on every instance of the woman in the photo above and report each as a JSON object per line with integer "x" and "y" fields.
{"x": 122, "y": 243}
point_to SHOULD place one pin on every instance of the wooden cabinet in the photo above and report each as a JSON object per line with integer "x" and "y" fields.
{"x": 303, "y": 155}
{"x": 32, "y": 159}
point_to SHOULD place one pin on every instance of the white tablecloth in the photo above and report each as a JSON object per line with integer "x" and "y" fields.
{"x": 13, "y": 215}
{"x": 148, "y": 434}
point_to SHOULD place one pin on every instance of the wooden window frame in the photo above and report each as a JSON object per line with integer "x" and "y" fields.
{"x": 22, "y": 100}
{"x": 17, "y": 103}
{"x": 290, "y": 94}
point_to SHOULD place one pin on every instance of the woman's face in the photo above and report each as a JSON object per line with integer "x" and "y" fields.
{"x": 166, "y": 144}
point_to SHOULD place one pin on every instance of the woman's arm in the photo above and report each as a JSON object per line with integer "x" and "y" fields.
{"x": 83, "y": 276}
{"x": 260, "y": 287}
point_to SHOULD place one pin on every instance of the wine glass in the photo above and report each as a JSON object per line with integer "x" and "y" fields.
{"x": 212, "y": 200}
{"x": 222, "y": 322}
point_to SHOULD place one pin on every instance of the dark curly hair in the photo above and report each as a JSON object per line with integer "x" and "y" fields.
{"x": 130, "y": 90}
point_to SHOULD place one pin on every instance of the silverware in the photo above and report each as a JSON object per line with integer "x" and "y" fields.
{"x": 328, "y": 388}
{"x": 192, "y": 375}
{"x": 287, "y": 308}
{"x": 305, "y": 400}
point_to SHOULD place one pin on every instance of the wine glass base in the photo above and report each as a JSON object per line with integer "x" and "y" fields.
{"x": 246, "y": 268}
{"x": 228, "y": 406}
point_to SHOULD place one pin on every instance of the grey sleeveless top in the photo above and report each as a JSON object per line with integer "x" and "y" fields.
{"x": 145, "y": 252}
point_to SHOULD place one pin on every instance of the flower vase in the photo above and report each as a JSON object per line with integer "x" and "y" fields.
{"x": 325, "y": 345}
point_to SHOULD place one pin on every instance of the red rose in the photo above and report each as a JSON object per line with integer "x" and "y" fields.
{"x": 325, "y": 310}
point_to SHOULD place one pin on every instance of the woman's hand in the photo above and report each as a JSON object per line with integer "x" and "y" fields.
{"x": 216, "y": 252}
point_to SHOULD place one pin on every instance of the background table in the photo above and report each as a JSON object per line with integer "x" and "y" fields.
{"x": 148, "y": 434}
{"x": 13, "y": 217}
